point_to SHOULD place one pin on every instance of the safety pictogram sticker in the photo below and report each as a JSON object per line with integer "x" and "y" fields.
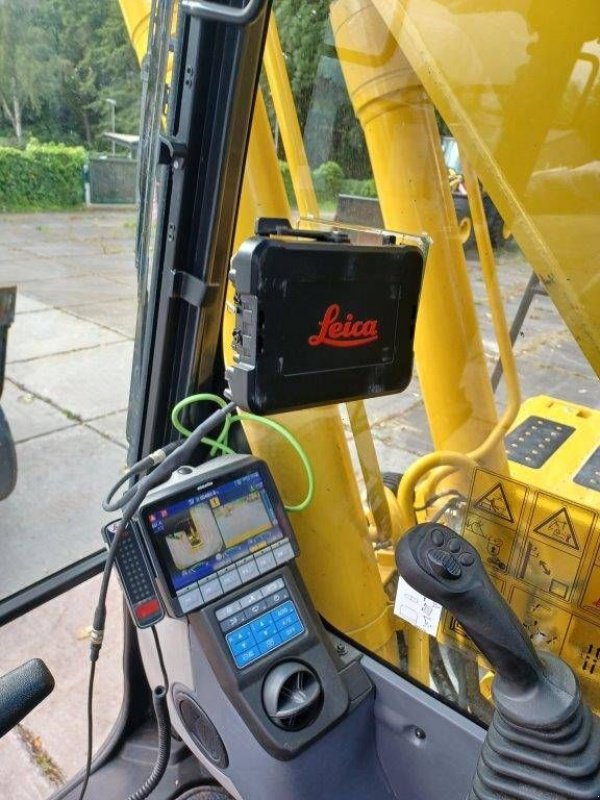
{"x": 498, "y": 499}
{"x": 495, "y": 502}
{"x": 566, "y": 524}
{"x": 559, "y": 527}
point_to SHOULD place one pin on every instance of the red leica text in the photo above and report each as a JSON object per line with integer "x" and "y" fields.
{"x": 347, "y": 332}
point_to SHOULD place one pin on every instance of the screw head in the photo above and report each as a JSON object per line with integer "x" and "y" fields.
{"x": 420, "y": 733}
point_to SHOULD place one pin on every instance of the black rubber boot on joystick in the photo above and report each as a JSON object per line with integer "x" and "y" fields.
{"x": 544, "y": 742}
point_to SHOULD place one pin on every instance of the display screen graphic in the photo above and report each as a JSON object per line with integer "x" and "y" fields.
{"x": 200, "y": 533}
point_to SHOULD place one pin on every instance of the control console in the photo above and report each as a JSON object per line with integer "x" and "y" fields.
{"x": 214, "y": 547}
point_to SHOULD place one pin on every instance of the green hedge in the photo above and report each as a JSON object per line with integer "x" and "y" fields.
{"x": 329, "y": 182}
{"x": 358, "y": 188}
{"x": 41, "y": 177}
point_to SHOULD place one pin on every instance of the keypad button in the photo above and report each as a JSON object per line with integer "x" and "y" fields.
{"x": 260, "y": 624}
{"x": 190, "y": 600}
{"x": 437, "y": 537}
{"x": 228, "y": 610}
{"x": 248, "y": 571}
{"x": 255, "y": 609}
{"x": 283, "y": 553}
{"x": 233, "y": 621}
{"x": 454, "y": 545}
{"x": 265, "y": 562}
{"x": 274, "y": 586}
{"x": 211, "y": 590}
{"x": 250, "y": 599}
{"x": 270, "y": 643}
{"x": 239, "y": 636}
{"x": 230, "y": 580}
{"x": 282, "y": 611}
{"x": 286, "y": 621}
{"x": 246, "y": 657}
{"x": 243, "y": 646}
{"x": 291, "y": 631}
{"x": 265, "y": 633}
{"x": 276, "y": 598}
{"x": 466, "y": 559}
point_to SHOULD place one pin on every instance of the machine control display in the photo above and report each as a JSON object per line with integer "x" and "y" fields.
{"x": 259, "y": 623}
{"x": 217, "y": 535}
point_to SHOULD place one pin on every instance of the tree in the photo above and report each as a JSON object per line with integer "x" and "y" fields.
{"x": 302, "y": 27}
{"x": 28, "y": 63}
{"x": 97, "y": 62}
{"x": 59, "y": 62}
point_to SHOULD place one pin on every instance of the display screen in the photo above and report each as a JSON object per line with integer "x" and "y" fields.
{"x": 197, "y": 534}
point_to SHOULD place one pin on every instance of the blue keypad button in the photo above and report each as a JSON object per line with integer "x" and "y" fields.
{"x": 269, "y": 644}
{"x": 291, "y": 631}
{"x": 238, "y": 636}
{"x": 282, "y": 611}
{"x": 262, "y": 622}
{"x": 265, "y": 633}
{"x": 243, "y": 646}
{"x": 246, "y": 657}
{"x": 286, "y": 621}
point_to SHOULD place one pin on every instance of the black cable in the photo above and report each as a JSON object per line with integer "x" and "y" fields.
{"x": 178, "y": 453}
{"x": 90, "y": 730}
{"x": 163, "y": 723}
{"x": 140, "y": 466}
{"x": 159, "y": 653}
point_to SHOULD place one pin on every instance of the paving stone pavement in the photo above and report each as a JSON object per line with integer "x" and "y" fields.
{"x": 65, "y": 397}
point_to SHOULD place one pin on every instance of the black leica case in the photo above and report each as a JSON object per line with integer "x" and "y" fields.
{"x": 321, "y": 321}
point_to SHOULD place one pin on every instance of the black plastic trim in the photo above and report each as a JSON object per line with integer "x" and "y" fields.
{"x": 15, "y": 605}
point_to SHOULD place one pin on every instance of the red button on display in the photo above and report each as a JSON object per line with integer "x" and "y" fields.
{"x": 147, "y": 609}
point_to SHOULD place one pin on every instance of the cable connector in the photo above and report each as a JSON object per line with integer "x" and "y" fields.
{"x": 96, "y": 639}
{"x": 158, "y": 456}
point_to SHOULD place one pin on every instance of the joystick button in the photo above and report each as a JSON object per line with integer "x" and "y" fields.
{"x": 437, "y": 537}
{"x": 454, "y": 545}
{"x": 444, "y": 564}
{"x": 466, "y": 559}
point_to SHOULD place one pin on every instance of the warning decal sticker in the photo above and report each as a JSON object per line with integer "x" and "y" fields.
{"x": 559, "y": 526}
{"x": 543, "y": 554}
{"x": 495, "y": 503}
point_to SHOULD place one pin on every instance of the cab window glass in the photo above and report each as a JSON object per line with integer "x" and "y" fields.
{"x": 386, "y": 144}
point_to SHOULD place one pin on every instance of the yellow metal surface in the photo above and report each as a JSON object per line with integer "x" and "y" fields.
{"x": 287, "y": 119}
{"x": 401, "y": 133}
{"x": 517, "y": 83}
{"x": 543, "y": 552}
{"x": 136, "y": 14}
{"x": 557, "y": 474}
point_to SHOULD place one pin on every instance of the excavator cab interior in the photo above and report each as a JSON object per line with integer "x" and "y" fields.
{"x": 357, "y": 538}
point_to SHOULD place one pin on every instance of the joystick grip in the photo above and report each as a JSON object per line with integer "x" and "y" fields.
{"x": 446, "y": 568}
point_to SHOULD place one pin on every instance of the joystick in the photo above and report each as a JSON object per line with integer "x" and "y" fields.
{"x": 544, "y": 741}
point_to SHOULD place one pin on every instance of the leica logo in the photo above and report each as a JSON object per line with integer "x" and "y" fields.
{"x": 349, "y": 332}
